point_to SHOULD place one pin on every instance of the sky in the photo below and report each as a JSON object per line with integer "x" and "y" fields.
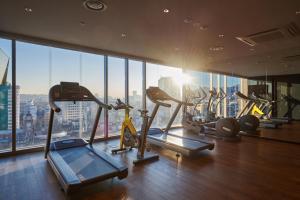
{"x": 39, "y": 67}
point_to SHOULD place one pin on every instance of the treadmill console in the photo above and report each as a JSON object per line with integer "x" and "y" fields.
{"x": 70, "y": 91}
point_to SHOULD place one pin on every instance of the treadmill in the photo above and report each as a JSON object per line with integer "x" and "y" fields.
{"x": 76, "y": 162}
{"x": 176, "y": 139}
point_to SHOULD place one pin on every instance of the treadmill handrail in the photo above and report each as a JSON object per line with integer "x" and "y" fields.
{"x": 241, "y": 95}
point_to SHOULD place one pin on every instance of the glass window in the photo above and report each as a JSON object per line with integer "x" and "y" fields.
{"x": 6, "y": 95}
{"x": 92, "y": 77}
{"x": 33, "y": 83}
{"x": 200, "y": 86}
{"x": 170, "y": 80}
{"x": 222, "y": 114}
{"x": 50, "y": 66}
{"x": 215, "y": 87}
{"x": 295, "y": 94}
{"x": 136, "y": 91}
{"x": 233, "y": 85}
{"x": 282, "y": 96}
{"x": 116, "y": 89}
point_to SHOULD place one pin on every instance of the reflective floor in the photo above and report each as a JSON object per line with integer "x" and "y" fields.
{"x": 250, "y": 169}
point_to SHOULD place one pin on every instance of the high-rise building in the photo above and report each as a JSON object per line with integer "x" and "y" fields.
{"x": 168, "y": 85}
{"x": 6, "y": 107}
{"x": 3, "y": 67}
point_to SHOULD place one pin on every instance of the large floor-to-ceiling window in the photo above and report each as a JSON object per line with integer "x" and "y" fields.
{"x": 116, "y": 90}
{"x": 233, "y": 86}
{"x": 5, "y": 95}
{"x": 135, "y": 90}
{"x": 170, "y": 80}
{"x": 199, "y": 86}
{"x": 37, "y": 69}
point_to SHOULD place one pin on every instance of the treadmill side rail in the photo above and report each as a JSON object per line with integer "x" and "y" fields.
{"x": 108, "y": 158}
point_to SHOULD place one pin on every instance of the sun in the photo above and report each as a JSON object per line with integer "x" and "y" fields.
{"x": 182, "y": 79}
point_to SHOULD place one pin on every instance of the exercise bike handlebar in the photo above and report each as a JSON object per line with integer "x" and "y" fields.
{"x": 121, "y": 105}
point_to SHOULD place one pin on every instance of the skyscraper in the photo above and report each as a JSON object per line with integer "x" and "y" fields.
{"x": 168, "y": 85}
{"x": 6, "y": 106}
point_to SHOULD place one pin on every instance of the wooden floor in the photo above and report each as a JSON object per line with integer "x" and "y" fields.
{"x": 286, "y": 132}
{"x": 250, "y": 169}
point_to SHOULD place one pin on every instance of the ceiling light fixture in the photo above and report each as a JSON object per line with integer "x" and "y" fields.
{"x": 196, "y": 24}
{"x": 95, "y": 5}
{"x": 188, "y": 20}
{"x": 166, "y": 10}
{"x": 298, "y": 12}
{"x": 221, "y": 35}
{"x": 123, "y": 35}
{"x": 216, "y": 48}
{"x": 28, "y": 10}
{"x": 203, "y": 28}
{"x": 251, "y": 49}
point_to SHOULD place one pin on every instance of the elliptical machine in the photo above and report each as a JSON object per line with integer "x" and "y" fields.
{"x": 223, "y": 128}
{"x": 130, "y": 138}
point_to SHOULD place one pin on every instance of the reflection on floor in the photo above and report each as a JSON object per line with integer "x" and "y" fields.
{"x": 286, "y": 132}
{"x": 250, "y": 169}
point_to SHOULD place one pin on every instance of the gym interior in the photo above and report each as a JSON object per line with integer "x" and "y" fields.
{"x": 169, "y": 99}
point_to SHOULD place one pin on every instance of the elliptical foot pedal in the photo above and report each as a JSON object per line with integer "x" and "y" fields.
{"x": 148, "y": 157}
{"x": 250, "y": 133}
{"x": 232, "y": 139}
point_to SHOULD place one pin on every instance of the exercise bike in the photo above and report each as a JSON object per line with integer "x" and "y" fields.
{"x": 130, "y": 138}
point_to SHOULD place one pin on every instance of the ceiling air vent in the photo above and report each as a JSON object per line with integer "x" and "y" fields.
{"x": 288, "y": 31}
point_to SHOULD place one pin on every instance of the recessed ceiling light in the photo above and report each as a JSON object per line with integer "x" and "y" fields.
{"x": 203, "y": 28}
{"x": 123, "y": 35}
{"x": 196, "y": 24}
{"x": 221, "y": 35}
{"x": 28, "y": 10}
{"x": 216, "y": 48}
{"x": 298, "y": 12}
{"x": 188, "y": 20}
{"x": 95, "y": 5}
{"x": 166, "y": 10}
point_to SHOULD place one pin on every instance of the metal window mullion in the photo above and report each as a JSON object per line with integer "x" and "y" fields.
{"x": 105, "y": 96}
{"x": 126, "y": 81}
{"x": 218, "y": 90}
{"x": 210, "y": 81}
{"x": 225, "y": 99}
{"x": 144, "y": 105}
{"x": 14, "y": 97}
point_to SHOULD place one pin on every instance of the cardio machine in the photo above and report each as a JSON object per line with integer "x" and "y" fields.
{"x": 252, "y": 109}
{"x": 211, "y": 125}
{"x": 176, "y": 139}
{"x": 76, "y": 162}
{"x": 130, "y": 138}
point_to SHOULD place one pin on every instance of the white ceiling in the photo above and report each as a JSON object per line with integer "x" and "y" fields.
{"x": 166, "y": 38}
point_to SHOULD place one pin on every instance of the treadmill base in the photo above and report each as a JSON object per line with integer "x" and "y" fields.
{"x": 148, "y": 157}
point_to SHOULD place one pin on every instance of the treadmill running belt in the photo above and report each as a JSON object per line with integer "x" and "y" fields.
{"x": 179, "y": 142}
{"x": 85, "y": 164}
